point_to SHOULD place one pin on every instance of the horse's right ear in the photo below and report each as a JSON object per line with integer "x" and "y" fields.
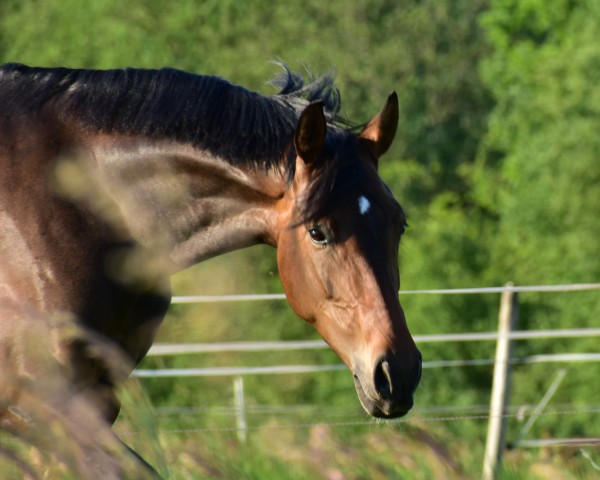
{"x": 311, "y": 130}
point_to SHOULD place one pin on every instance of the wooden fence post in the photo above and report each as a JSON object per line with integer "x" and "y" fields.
{"x": 240, "y": 413}
{"x": 501, "y": 384}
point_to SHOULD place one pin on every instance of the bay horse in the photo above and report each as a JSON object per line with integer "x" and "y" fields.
{"x": 111, "y": 181}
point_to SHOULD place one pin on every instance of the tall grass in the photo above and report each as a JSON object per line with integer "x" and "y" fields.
{"x": 49, "y": 429}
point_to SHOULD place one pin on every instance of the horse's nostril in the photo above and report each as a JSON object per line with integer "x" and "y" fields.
{"x": 383, "y": 380}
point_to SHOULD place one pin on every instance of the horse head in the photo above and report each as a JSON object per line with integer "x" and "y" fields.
{"x": 337, "y": 245}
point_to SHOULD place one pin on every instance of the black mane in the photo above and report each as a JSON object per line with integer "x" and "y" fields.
{"x": 209, "y": 112}
{"x": 241, "y": 126}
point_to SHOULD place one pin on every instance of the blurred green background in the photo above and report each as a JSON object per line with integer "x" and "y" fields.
{"x": 496, "y": 161}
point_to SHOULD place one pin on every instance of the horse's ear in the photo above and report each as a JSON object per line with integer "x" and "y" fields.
{"x": 381, "y": 130}
{"x": 309, "y": 138}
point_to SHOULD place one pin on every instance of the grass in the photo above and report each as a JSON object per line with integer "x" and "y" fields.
{"x": 297, "y": 444}
{"x": 312, "y": 442}
{"x": 327, "y": 437}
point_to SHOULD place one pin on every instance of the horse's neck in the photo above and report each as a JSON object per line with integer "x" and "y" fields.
{"x": 184, "y": 201}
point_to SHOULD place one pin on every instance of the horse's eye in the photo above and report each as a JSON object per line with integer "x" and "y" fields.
{"x": 319, "y": 235}
{"x": 404, "y": 227}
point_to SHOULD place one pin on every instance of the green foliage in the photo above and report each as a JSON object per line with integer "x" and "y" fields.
{"x": 538, "y": 176}
{"x": 495, "y": 161}
{"x": 539, "y": 166}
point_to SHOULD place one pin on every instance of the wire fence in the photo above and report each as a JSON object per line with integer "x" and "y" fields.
{"x": 294, "y": 369}
{"x": 448, "y": 291}
{"x": 418, "y": 419}
{"x": 192, "y": 348}
{"x": 204, "y": 348}
{"x": 445, "y": 414}
{"x": 200, "y": 348}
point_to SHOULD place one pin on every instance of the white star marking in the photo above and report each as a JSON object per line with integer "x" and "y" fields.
{"x": 363, "y": 205}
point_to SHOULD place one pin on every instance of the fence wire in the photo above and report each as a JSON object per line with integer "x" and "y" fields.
{"x": 378, "y": 423}
{"x": 180, "y": 299}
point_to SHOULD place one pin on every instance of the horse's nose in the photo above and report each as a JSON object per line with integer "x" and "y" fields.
{"x": 395, "y": 383}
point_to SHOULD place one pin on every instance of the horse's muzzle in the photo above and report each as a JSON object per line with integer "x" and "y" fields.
{"x": 388, "y": 391}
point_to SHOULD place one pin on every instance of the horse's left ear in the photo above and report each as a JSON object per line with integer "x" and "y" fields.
{"x": 381, "y": 130}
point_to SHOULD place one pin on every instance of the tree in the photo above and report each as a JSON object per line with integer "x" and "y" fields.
{"x": 539, "y": 172}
